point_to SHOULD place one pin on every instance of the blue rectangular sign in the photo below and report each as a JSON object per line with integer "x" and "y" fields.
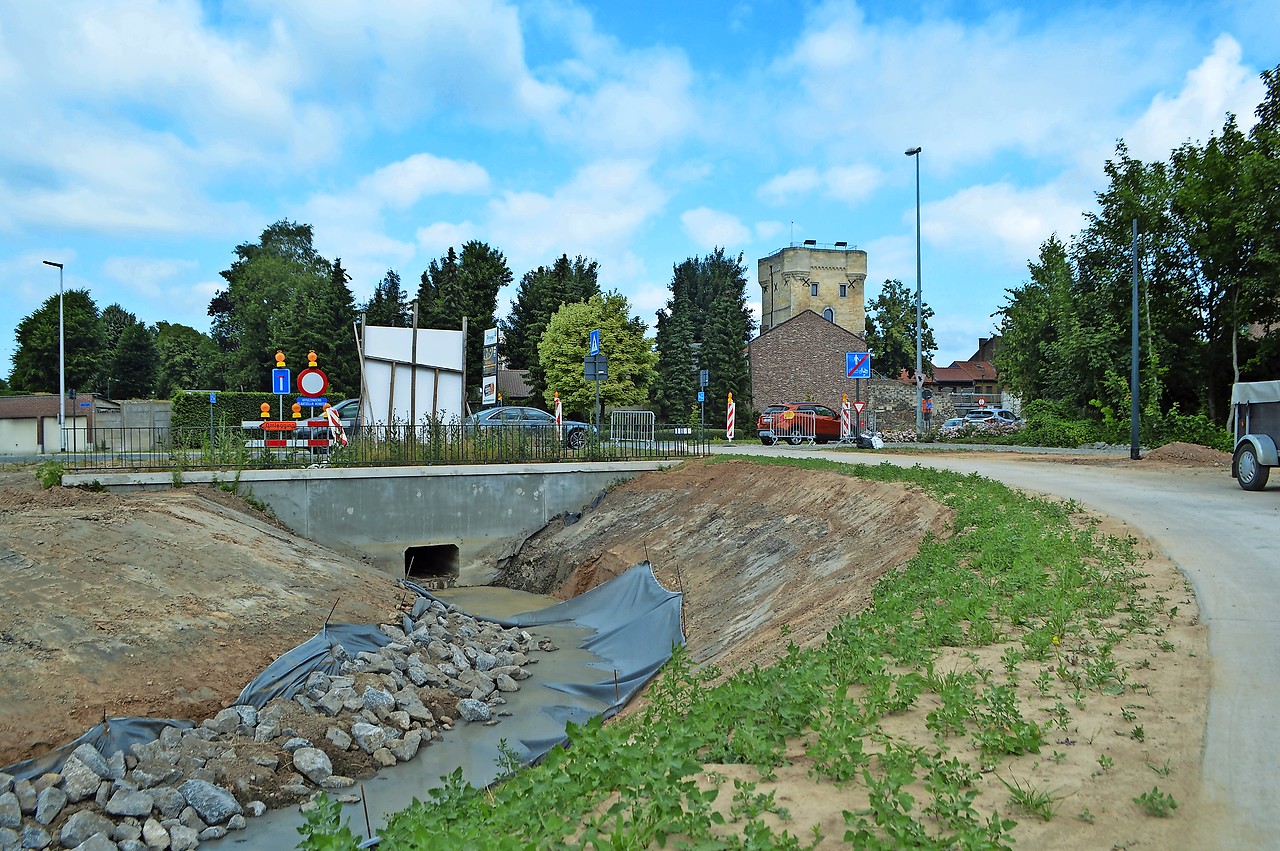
{"x": 312, "y": 401}
{"x": 213, "y": 398}
{"x": 595, "y": 342}
{"x": 280, "y": 381}
{"x": 857, "y": 364}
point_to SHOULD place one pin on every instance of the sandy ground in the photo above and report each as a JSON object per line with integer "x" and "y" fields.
{"x": 165, "y": 604}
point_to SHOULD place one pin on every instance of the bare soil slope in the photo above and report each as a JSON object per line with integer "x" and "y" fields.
{"x": 157, "y": 605}
{"x": 756, "y": 549}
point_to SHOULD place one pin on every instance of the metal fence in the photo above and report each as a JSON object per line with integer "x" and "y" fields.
{"x": 634, "y": 428}
{"x": 793, "y": 427}
{"x": 172, "y": 449}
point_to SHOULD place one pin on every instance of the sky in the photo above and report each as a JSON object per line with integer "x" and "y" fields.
{"x": 148, "y": 139}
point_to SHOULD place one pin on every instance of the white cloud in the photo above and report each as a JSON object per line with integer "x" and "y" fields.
{"x": 790, "y": 185}
{"x": 769, "y": 229}
{"x": 596, "y": 214}
{"x": 401, "y": 184}
{"x": 149, "y": 278}
{"x": 1218, "y": 85}
{"x": 1003, "y": 221}
{"x": 437, "y": 238}
{"x": 709, "y": 228}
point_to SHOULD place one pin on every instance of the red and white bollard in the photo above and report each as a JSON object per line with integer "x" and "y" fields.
{"x": 845, "y": 428}
{"x": 728, "y": 420}
{"x": 559, "y": 418}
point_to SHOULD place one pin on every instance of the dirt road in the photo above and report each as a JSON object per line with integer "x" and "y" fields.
{"x": 1224, "y": 540}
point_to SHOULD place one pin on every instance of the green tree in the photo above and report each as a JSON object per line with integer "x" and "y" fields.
{"x": 187, "y": 360}
{"x": 706, "y": 325}
{"x": 541, "y": 293}
{"x": 891, "y": 331}
{"x": 133, "y": 364}
{"x": 261, "y": 299}
{"x": 565, "y": 344}
{"x": 35, "y": 360}
{"x": 114, "y": 320}
{"x": 465, "y": 285}
{"x": 388, "y": 307}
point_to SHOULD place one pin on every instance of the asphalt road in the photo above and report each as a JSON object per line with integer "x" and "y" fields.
{"x": 1225, "y": 541}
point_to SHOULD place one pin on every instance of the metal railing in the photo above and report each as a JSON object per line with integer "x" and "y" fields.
{"x": 634, "y": 428}
{"x": 792, "y": 426}
{"x": 172, "y": 449}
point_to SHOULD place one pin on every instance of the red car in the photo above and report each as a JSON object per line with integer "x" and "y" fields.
{"x": 796, "y": 422}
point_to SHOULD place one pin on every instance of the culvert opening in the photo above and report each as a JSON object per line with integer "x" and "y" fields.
{"x": 432, "y": 565}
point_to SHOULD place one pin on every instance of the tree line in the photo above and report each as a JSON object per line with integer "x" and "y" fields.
{"x": 279, "y": 293}
{"x": 1208, "y": 249}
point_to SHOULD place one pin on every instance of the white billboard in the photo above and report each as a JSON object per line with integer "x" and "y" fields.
{"x": 401, "y": 386}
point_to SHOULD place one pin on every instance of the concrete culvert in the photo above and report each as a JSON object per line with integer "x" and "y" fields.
{"x": 432, "y": 565}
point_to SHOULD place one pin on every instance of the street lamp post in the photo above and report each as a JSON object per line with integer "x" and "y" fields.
{"x": 915, "y": 152}
{"x": 62, "y": 365}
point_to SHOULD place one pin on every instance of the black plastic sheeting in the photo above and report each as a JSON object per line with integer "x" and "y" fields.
{"x": 114, "y": 734}
{"x": 635, "y": 622}
{"x": 286, "y": 675}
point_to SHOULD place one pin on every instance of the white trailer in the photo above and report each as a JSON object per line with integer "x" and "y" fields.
{"x": 1255, "y": 413}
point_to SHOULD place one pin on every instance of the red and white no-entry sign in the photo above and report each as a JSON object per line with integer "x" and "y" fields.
{"x": 312, "y": 382}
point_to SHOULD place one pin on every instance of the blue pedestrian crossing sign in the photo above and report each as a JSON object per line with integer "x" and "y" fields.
{"x": 280, "y": 381}
{"x": 595, "y": 342}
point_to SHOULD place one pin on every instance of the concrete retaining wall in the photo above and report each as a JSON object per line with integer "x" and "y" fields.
{"x": 379, "y": 512}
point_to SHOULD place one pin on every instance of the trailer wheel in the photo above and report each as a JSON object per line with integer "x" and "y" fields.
{"x": 1251, "y": 475}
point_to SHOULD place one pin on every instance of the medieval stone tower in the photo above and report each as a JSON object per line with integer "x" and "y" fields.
{"x": 827, "y": 279}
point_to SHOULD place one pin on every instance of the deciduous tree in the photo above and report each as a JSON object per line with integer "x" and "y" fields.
{"x": 565, "y": 343}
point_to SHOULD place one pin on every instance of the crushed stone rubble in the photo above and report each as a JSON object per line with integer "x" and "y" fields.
{"x": 178, "y": 790}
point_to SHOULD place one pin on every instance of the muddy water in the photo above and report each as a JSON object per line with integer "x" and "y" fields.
{"x": 537, "y": 714}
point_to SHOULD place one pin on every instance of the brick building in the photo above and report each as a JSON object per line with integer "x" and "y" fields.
{"x": 802, "y": 359}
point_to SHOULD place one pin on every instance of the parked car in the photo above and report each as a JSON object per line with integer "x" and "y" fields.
{"x": 796, "y": 422}
{"x": 952, "y": 424}
{"x": 532, "y": 420}
{"x": 987, "y": 416}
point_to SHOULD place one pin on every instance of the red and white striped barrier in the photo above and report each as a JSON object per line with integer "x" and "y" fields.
{"x": 846, "y": 428}
{"x": 336, "y": 431}
{"x": 728, "y": 420}
{"x": 559, "y": 418}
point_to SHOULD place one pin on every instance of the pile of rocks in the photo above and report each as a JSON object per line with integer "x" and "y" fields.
{"x": 197, "y": 784}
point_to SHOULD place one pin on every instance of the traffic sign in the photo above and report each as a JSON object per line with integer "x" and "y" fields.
{"x": 859, "y": 406}
{"x": 213, "y": 398}
{"x": 280, "y": 381}
{"x": 857, "y": 364}
{"x": 595, "y": 368}
{"x": 312, "y": 382}
{"x": 702, "y": 396}
{"x": 312, "y": 401}
{"x": 595, "y": 342}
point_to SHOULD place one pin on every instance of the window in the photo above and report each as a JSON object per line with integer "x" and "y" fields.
{"x": 844, "y": 291}
{"x": 829, "y": 315}
{"x": 813, "y": 288}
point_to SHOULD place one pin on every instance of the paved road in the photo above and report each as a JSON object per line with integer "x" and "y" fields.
{"x": 1225, "y": 541}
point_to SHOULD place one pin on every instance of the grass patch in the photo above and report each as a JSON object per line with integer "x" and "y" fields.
{"x": 1027, "y": 574}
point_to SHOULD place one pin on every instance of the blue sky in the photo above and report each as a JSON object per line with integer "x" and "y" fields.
{"x": 147, "y": 139}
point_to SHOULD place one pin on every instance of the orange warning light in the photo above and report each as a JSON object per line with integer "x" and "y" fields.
{"x": 279, "y": 358}
{"x": 265, "y": 407}
{"x": 297, "y": 411}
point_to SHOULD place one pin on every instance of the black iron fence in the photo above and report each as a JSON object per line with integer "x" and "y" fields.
{"x": 172, "y": 449}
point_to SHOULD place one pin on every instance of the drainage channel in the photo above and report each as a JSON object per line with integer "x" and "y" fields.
{"x": 538, "y": 714}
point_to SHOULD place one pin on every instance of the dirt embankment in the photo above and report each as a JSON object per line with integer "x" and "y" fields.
{"x": 756, "y": 550}
{"x": 158, "y": 605}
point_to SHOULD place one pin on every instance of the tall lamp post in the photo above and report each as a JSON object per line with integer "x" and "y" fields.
{"x": 915, "y": 152}
{"x": 62, "y": 365}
